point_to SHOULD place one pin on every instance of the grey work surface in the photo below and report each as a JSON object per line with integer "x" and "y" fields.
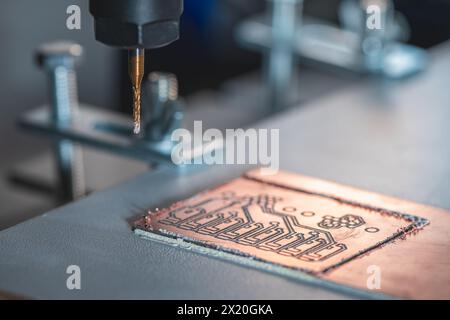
{"x": 391, "y": 138}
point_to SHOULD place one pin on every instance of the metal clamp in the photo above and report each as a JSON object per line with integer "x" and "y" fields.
{"x": 283, "y": 33}
{"x": 69, "y": 122}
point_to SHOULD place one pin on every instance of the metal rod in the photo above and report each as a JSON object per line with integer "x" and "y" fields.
{"x": 284, "y": 15}
{"x": 69, "y": 158}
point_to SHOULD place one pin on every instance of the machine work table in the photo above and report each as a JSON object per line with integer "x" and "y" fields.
{"x": 390, "y": 138}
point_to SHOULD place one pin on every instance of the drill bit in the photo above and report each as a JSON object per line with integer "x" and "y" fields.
{"x": 136, "y": 72}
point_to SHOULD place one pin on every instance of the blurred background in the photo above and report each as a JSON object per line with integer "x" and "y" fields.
{"x": 209, "y": 61}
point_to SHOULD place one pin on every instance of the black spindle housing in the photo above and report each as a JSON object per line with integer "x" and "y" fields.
{"x": 136, "y": 23}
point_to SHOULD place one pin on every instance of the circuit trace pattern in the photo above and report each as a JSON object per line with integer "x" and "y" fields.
{"x": 287, "y": 221}
{"x": 350, "y": 221}
{"x": 238, "y": 219}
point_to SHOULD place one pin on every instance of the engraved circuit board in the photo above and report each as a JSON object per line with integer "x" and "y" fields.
{"x": 281, "y": 222}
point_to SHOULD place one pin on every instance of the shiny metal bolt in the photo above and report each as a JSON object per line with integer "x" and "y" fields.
{"x": 164, "y": 111}
{"x": 59, "y": 59}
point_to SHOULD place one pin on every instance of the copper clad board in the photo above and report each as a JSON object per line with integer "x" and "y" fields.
{"x": 291, "y": 221}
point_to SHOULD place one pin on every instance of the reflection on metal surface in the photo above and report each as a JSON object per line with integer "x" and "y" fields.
{"x": 274, "y": 222}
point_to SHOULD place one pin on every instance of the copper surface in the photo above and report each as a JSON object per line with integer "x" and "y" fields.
{"x": 318, "y": 227}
